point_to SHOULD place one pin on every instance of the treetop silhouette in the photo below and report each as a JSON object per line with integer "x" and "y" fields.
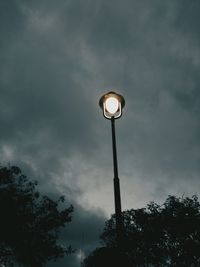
{"x": 157, "y": 235}
{"x": 30, "y": 222}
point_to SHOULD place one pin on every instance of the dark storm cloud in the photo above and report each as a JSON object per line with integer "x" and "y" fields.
{"x": 35, "y": 90}
{"x": 58, "y": 58}
{"x": 82, "y": 234}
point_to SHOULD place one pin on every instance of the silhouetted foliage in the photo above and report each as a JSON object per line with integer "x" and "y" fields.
{"x": 158, "y": 235}
{"x": 106, "y": 257}
{"x": 29, "y": 222}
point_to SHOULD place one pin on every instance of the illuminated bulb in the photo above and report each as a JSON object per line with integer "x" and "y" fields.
{"x": 112, "y": 105}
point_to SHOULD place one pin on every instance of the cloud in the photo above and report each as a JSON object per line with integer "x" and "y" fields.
{"x": 58, "y": 58}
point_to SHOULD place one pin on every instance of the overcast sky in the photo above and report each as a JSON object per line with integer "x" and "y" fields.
{"x": 57, "y": 58}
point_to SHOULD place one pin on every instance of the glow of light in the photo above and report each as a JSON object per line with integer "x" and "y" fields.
{"x": 80, "y": 255}
{"x": 112, "y": 105}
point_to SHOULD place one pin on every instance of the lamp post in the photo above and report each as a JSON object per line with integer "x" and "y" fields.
{"x": 112, "y": 104}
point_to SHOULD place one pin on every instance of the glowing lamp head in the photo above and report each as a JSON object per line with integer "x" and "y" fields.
{"x": 112, "y": 104}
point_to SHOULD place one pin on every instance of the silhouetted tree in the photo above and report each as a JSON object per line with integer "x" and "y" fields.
{"x": 29, "y": 222}
{"x": 106, "y": 257}
{"x": 159, "y": 235}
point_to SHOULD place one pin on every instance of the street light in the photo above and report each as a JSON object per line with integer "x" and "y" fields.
{"x": 112, "y": 104}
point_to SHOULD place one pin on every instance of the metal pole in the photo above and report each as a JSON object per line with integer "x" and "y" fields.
{"x": 119, "y": 222}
